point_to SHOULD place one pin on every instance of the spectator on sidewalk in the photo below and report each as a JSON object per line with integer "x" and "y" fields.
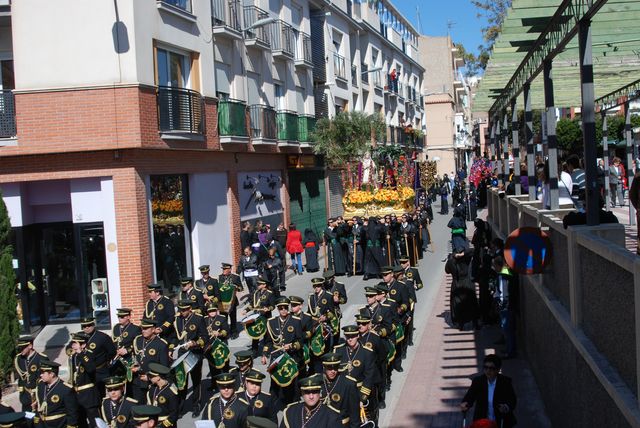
{"x": 505, "y": 294}
{"x": 492, "y": 393}
{"x": 294, "y": 248}
{"x": 616, "y": 184}
{"x": 578, "y": 193}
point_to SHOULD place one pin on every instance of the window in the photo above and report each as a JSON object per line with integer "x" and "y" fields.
{"x": 279, "y": 94}
{"x": 173, "y": 69}
{"x": 223, "y": 83}
{"x": 182, "y": 4}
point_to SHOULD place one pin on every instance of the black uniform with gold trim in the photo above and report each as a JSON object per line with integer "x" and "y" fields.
{"x": 154, "y": 350}
{"x": 103, "y": 350}
{"x": 321, "y": 304}
{"x": 360, "y": 364}
{"x": 83, "y": 374}
{"x": 295, "y": 415}
{"x": 215, "y": 327}
{"x": 235, "y": 280}
{"x": 262, "y": 404}
{"x": 117, "y": 414}
{"x": 233, "y": 413}
{"x": 191, "y": 329}
{"x": 341, "y": 392}
{"x": 194, "y": 295}
{"x": 412, "y": 276}
{"x": 262, "y": 301}
{"x": 208, "y": 285}
{"x": 28, "y": 371}
{"x": 398, "y": 293}
{"x": 162, "y": 311}
{"x": 166, "y": 398}
{"x": 56, "y": 404}
{"x": 381, "y": 318}
{"x": 123, "y": 337}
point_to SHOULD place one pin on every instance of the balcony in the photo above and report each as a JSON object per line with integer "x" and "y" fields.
{"x": 263, "y": 124}
{"x": 180, "y": 110}
{"x": 287, "y": 125}
{"x": 259, "y": 36}
{"x": 232, "y": 121}
{"x": 7, "y": 115}
{"x": 282, "y": 40}
{"x": 303, "y": 51}
{"x": 397, "y": 135}
{"x": 365, "y": 74}
{"x": 354, "y": 76}
{"x": 306, "y": 126}
{"x": 392, "y": 86}
{"x": 339, "y": 69}
{"x": 226, "y": 18}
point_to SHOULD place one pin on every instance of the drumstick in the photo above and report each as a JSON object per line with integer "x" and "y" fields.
{"x": 354, "y": 256}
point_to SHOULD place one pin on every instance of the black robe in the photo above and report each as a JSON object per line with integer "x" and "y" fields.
{"x": 310, "y": 243}
{"x": 337, "y": 260}
{"x": 375, "y": 239}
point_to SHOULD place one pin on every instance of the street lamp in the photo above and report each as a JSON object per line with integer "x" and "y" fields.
{"x": 373, "y": 70}
{"x": 260, "y": 23}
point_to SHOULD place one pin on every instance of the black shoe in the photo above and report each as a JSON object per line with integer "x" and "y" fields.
{"x": 399, "y": 369}
{"x": 381, "y": 405}
{"x": 234, "y": 335}
{"x": 388, "y": 388}
{"x": 365, "y": 277}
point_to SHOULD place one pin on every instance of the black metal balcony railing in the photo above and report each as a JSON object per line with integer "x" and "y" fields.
{"x": 232, "y": 120}
{"x": 252, "y": 14}
{"x": 263, "y": 121}
{"x": 339, "y": 68}
{"x": 7, "y": 115}
{"x": 392, "y": 84}
{"x": 226, "y": 14}
{"x": 180, "y": 109}
{"x": 354, "y": 75}
{"x": 282, "y": 39}
{"x": 181, "y": 4}
{"x": 303, "y": 48}
{"x": 365, "y": 73}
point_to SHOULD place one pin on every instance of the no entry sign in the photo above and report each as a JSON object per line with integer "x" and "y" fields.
{"x": 527, "y": 250}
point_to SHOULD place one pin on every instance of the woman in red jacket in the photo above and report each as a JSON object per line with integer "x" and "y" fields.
{"x": 294, "y": 248}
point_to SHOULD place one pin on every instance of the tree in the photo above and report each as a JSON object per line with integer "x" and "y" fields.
{"x": 569, "y": 135}
{"x": 495, "y": 12}
{"x": 8, "y": 302}
{"x": 346, "y": 137}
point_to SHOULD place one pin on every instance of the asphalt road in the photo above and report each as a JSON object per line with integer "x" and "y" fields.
{"x": 431, "y": 269}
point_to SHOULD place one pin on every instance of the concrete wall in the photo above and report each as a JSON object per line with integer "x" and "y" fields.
{"x": 579, "y": 321}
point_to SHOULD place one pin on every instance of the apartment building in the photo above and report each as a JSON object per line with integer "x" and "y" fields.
{"x": 447, "y": 104}
{"x": 136, "y": 137}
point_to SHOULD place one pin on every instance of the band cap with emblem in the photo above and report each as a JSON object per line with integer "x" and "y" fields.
{"x": 145, "y": 413}
{"x": 12, "y": 419}
{"x": 225, "y": 379}
{"x": 148, "y": 323}
{"x": 225, "y": 266}
{"x": 403, "y": 259}
{"x": 186, "y": 280}
{"x": 184, "y": 304}
{"x": 114, "y": 382}
{"x": 255, "y": 376}
{"x": 49, "y": 366}
{"x": 317, "y": 282}
{"x": 156, "y": 369}
{"x": 123, "y": 312}
{"x": 212, "y": 307}
{"x": 398, "y": 270}
{"x": 370, "y": 291}
{"x": 79, "y": 337}
{"x": 311, "y": 383}
{"x": 261, "y": 280}
{"x": 204, "y": 268}
{"x": 154, "y": 287}
{"x": 260, "y": 422}
{"x": 24, "y": 341}
{"x": 87, "y": 322}
{"x": 350, "y": 330}
{"x": 384, "y": 270}
{"x": 331, "y": 359}
{"x": 363, "y": 318}
{"x": 328, "y": 274}
{"x": 296, "y": 300}
{"x": 243, "y": 356}
{"x": 381, "y": 287}
{"x": 282, "y": 301}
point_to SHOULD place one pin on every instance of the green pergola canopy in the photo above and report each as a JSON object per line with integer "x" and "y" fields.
{"x": 615, "y": 32}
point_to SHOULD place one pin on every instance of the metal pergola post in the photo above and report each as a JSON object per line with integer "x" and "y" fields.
{"x": 498, "y": 164}
{"x": 492, "y": 140}
{"x": 605, "y": 159}
{"x": 515, "y": 144}
{"x": 588, "y": 122}
{"x": 528, "y": 137}
{"x": 552, "y": 142}
{"x": 505, "y": 148}
{"x": 628, "y": 136}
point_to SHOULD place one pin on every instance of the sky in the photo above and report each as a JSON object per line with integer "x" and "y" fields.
{"x": 434, "y": 15}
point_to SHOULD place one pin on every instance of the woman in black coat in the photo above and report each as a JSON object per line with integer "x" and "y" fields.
{"x": 310, "y": 244}
{"x": 463, "y": 302}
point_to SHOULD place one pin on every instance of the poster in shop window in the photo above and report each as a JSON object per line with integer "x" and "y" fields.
{"x": 259, "y": 194}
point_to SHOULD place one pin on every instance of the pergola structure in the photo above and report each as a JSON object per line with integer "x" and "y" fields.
{"x": 565, "y": 53}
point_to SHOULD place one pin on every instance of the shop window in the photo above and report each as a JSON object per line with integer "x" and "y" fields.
{"x": 169, "y": 205}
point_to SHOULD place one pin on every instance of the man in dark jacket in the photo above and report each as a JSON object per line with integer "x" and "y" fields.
{"x": 492, "y": 394}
